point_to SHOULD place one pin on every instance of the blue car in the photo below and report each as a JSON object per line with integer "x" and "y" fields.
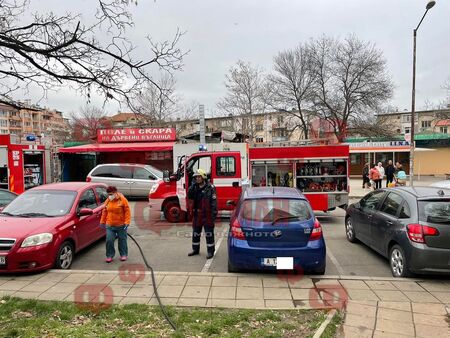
{"x": 274, "y": 228}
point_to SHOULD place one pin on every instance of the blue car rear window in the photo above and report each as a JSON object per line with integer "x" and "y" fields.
{"x": 272, "y": 209}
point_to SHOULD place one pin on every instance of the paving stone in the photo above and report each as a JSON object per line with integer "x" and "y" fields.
{"x": 77, "y": 278}
{"x": 304, "y": 283}
{"x": 393, "y": 326}
{"x": 250, "y": 303}
{"x": 279, "y": 304}
{"x": 390, "y": 314}
{"x": 403, "y": 306}
{"x": 354, "y": 284}
{"x": 120, "y": 290}
{"x": 169, "y": 291}
{"x": 14, "y": 285}
{"x": 195, "y": 292}
{"x": 64, "y": 287}
{"x": 38, "y": 287}
{"x": 435, "y": 286}
{"x": 143, "y": 291}
{"x": 380, "y": 285}
{"x": 362, "y": 295}
{"x": 420, "y": 318}
{"x": 223, "y": 292}
{"x": 277, "y": 293}
{"x": 420, "y": 297}
{"x": 443, "y": 297}
{"x": 429, "y": 308}
{"x": 249, "y": 293}
{"x": 361, "y": 310}
{"x": 191, "y": 302}
{"x": 221, "y": 303}
{"x": 174, "y": 281}
{"x": 408, "y": 286}
{"x": 356, "y": 332}
{"x": 119, "y": 280}
{"x": 360, "y": 321}
{"x": 380, "y": 334}
{"x": 52, "y": 277}
{"x": 102, "y": 278}
{"x": 328, "y": 283}
{"x": 426, "y": 331}
{"x": 224, "y": 281}
{"x": 275, "y": 282}
{"x": 27, "y": 295}
{"x": 147, "y": 280}
{"x": 4, "y": 293}
{"x": 164, "y": 301}
{"x": 304, "y": 294}
{"x": 250, "y": 281}
{"x": 53, "y": 296}
{"x": 391, "y": 296}
{"x": 199, "y": 281}
{"x": 135, "y": 300}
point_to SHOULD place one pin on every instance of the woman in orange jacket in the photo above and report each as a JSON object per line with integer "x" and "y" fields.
{"x": 116, "y": 218}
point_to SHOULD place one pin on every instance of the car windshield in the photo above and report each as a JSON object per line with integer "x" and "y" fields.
{"x": 275, "y": 210}
{"x": 435, "y": 211}
{"x": 41, "y": 203}
{"x": 158, "y": 173}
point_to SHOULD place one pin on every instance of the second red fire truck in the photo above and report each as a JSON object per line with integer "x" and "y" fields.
{"x": 320, "y": 172}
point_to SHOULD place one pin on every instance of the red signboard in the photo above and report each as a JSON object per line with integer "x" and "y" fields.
{"x": 136, "y": 135}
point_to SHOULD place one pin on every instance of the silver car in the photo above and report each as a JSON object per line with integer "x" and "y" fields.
{"x": 130, "y": 179}
{"x": 441, "y": 184}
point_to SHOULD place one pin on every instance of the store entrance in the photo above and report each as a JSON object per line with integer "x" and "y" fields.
{"x": 33, "y": 170}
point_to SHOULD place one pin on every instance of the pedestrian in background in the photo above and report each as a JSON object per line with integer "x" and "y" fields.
{"x": 203, "y": 203}
{"x": 381, "y": 171}
{"x": 116, "y": 218}
{"x": 365, "y": 176}
{"x": 374, "y": 176}
{"x": 390, "y": 171}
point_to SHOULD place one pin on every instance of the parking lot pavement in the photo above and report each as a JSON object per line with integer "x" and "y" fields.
{"x": 166, "y": 246}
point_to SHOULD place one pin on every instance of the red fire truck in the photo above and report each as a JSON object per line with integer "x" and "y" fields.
{"x": 320, "y": 172}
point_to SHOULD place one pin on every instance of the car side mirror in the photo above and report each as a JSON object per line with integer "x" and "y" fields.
{"x": 231, "y": 203}
{"x": 85, "y": 212}
{"x": 166, "y": 176}
{"x": 358, "y": 205}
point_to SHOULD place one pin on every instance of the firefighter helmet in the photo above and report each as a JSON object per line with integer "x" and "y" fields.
{"x": 200, "y": 172}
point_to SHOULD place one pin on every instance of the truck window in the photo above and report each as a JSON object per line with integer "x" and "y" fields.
{"x": 225, "y": 166}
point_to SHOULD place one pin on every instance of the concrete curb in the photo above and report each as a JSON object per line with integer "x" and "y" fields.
{"x": 325, "y": 324}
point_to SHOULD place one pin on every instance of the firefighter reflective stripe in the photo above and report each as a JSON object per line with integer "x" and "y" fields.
{"x": 196, "y": 243}
{"x": 210, "y": 245}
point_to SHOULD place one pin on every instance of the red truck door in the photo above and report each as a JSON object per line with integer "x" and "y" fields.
{"x": 223, "y": 170}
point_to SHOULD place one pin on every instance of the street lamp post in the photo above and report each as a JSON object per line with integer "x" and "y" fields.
{"x": 430, "y": 5}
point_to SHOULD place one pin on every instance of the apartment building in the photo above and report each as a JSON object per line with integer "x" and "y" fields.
{"x": 34, "y": 120}
{"x": 426, "y": 121}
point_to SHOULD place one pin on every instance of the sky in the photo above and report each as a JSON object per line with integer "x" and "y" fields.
{"x": 219, "y": 33}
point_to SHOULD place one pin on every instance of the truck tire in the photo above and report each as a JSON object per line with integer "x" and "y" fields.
{"x": 173, "y": 212}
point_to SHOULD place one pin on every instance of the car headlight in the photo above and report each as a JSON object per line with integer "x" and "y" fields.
{"x": 37, "y": 240}
{"x": 154, "y": 188}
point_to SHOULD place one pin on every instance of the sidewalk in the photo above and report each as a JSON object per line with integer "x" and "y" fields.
{"x": 356, "y": 190}
{"x": 378, "y": 307}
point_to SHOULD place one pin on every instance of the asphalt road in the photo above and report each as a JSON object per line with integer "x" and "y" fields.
{"x": 166, "y": 246}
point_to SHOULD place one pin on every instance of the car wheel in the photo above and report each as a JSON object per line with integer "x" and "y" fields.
{"x": 350, "y": 230}
{"x": 398, "y": 263}
{"x": 64, "y": 258}
{"x": 231, "y": 268}
{"x": 173, "y": 212}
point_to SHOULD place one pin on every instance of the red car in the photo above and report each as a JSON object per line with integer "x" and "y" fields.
{"x": 45, "y": 226}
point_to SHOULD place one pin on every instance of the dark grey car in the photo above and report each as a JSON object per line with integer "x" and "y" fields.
{"x": 409, "y": 226}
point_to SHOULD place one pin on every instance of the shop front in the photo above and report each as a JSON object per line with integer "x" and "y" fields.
{"x": 22, "y": 166}
{"x": 144, "y": 146}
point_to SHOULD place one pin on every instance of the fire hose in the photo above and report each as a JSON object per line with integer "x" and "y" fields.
{"x": 171, "y": 323}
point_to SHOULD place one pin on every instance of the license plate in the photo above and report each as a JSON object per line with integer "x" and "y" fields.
{"x": 2, "y": 260}
{"x": 281, "y": 263}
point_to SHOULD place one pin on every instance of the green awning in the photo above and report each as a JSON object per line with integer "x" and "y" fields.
{"x": 417, "y": 137}
{"x": 73, "y": 144}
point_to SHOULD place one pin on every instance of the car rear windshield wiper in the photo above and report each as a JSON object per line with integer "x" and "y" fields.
{"x": 286, "y": 217}
{"x": 34, "y": 214}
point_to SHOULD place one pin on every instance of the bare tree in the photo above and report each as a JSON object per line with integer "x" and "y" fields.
{"x": 52, "y": 51}
{"x": 371, "y": 126}
{"x": 246, "y": 95}
{"x": 85, "y": 124}
{"x": 351, "y": 81}
{"x": 157, "y": 104}
{"x": 292, "y": 84}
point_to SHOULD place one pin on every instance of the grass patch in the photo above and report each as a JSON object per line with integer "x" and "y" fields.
{"x": 334, "y": 326}
{"x": 31, "y": 318}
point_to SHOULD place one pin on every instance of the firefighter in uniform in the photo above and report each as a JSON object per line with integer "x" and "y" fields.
{"x": 203, "y": 205}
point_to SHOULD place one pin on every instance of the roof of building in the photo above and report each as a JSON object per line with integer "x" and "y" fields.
{"x": 122, "y": 117}
{"x": 443, "y": 123}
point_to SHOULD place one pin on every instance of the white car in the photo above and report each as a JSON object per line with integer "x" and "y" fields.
{"x": 441, "y": 184}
